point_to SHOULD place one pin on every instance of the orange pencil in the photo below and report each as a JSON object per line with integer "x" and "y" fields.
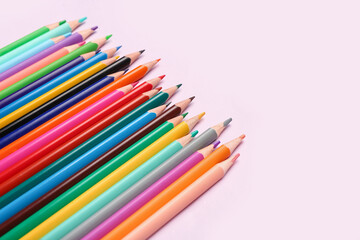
{"x": 219, "y": 155}
{"x": 131, "y": 76}
{"x": 181, "y": 201}
{"x": 38, "y": 65}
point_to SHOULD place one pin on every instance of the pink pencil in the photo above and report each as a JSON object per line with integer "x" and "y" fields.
{"x": 181, "y": 201}
{"x": 149, "y": 193}
{"x": 66, "y": 125}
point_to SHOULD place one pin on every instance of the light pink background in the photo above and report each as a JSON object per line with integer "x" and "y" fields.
{"x": 288, "y": 74}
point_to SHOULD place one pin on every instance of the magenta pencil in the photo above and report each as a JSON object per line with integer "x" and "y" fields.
{"x": 123, "y": 213}
{"x": 72, "y": 39}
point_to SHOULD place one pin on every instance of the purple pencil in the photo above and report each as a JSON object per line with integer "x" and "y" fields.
{"x": 135, "y": 204}
{"x": 64, "y": 42}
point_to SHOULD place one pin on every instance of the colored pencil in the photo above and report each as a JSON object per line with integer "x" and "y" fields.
{"x": 29, "y": 37}
{"x": 219, "y": 155}
{"x": 42, "y": 175}
{"x": 55, "y": 44}
{"x": 179, "y": 131}
{"x": 51, "y": 208}
{"x": 30, "y": 160}
{"x": 81, "y": 174}
{"x": 55, "y": 100}
{"x": 30, "y": 53}
{"x": 41, "y": 81}
{"x": 38, "y": 65}
{"x": 64, "y": 28}
{"x": 19, "y": 190}
{"x": 38, "y": 116}
{"x": 60, "y": 145}
{"x": 16, "y": 156}
{"x": 52, "y": 181}
{"x": 112, "y": 212}
{"x": 181, "y": 201}
{"x": 119, "y": 187}
{"x": 88, "y": 47}
{"x": 55, "y": 78}
{"x": 161, "y": 177}
{"x": 57, "y": 90}
{"x": 131, "y": 76}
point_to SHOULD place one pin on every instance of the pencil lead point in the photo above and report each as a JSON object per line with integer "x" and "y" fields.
{"x": 94, "y": 28}
{"x": 158, "y": 60}
{"x": 162, "y": 76}
{"x": 192, "y": 98}
{"x": 118, "y": 47}
{"x": 126, "y": 70}
{"x": 193, "y": 134}
{"x": 227, "y": 121}
{"x": 141, "y": 51}
{"x": 242, "y": 136}
{"x": 108, "y": 37}
{"x": 184, "y": 114}
{"x": 216, "y": 143}
{"x": 235, "y": 157}
{"x": 134, "y": 83}
{"x": 201, "y": 115}
{"x": 168, "y": 104}
{"x": 62, "y": 22}
{"x": 82, "y": 43}
{"x": 82, "y": 19}
{"x": 179, "y": 85}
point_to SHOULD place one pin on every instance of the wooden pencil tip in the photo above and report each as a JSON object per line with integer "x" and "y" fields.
{"x": 215, "y": 144}
{"x": 179, "y": 85}
{"x": 192, "y": 98}
{"x": 162, "y": 76}
{"x": 158, "y": 60}
{"x": 158, "y": 88}
{"x": 184, "y": 114}
{"x": 108, "y": 37}
{"x": 141, "y": 51}
{"x": 82, "y": 43}
{"x": 134, "y": 83}
{"x": 94, "y": 28}
{"x": 242, "y": 136}
{"x": 227, "y": 121}
{"x": 62, "y": 22}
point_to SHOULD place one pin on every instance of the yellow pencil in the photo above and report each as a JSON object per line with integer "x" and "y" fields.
{"x": 49, "y": 224}
{"x": 54, "y": 92}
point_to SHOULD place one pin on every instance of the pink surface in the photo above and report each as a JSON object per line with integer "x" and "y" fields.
{"x": 290, "y": 70}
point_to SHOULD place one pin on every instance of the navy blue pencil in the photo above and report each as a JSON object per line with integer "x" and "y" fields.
{"x": 17, "y": 133}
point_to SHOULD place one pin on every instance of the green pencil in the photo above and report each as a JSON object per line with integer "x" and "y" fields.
{"x": 88, "y": 47}
{"x": 29, "y": 37}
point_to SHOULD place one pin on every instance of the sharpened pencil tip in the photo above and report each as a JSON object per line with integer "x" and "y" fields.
{"x": 62, "y": 22}
{"x": 158, "y": 60}
{"x": 184, "y": 114}
{"x": 82, "y": 19}
{"x": 242, "y": 136}
{"x": 179, "y": 85}
{"x": 134, "y": 83}
{"x": 193, "y": 134}
{"x": 82, "y": 43}
{"x": 126, "y": 70}
{"x": 158, "y": 88}
{"x": 118, "y": 47}
{"x": 192, "y": 98}
{"x": 235, "y": 157}
{"x": 94, "y": 28}
{"x": 168, "y": 104}
{"x": 97, "y": 51}
{"x": 162, "y": 76}
{"x": 227, "y": 121}
{"x": 141, "y": 51}
{"x": 108, "y": 37}
{"x": 201, "y": 115}
{"x": 216, "y": 143}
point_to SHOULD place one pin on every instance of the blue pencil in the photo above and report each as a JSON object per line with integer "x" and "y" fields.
{"x": 30, "y": 196}
{"x": 19, "y": 132}
{"x": 41, "y": 81}
{"x": 55, "y": 82}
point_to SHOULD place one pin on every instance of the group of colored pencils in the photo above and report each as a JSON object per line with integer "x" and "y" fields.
{"x": 88, "y": 152}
